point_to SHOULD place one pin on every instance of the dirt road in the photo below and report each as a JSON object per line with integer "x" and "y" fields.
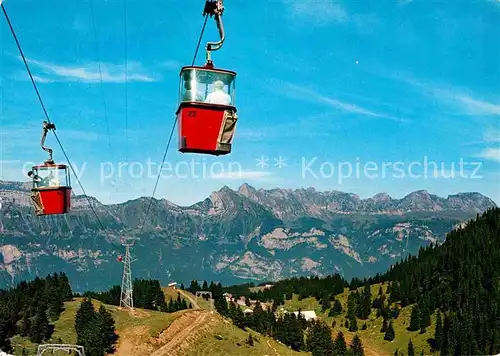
{"x": 182, "y": 332}
{"x": 194, "y": 304}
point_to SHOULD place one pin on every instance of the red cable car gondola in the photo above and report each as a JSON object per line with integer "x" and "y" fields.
{"x": 206, "y": 112}
{"x": 51, "y": 192}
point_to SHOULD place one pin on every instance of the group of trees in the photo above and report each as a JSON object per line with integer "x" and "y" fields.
{"x": 29, "y": 308}
{"x": 95, "y": 330}
{"x": 147, "y": 294}
{"x": 320, "y": 342}
{"x": 177, "y": 304}
{"x": 291, "y": 329}
{"x": 215, "y": 288}
{"x": 461, "y": 278}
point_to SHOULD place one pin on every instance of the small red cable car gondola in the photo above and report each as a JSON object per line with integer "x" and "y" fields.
{"x": 206, "y": 112}
{"x": 51, "y": 192}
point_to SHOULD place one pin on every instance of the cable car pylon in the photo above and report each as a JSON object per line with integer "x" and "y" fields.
{"x": 126, "y": 296}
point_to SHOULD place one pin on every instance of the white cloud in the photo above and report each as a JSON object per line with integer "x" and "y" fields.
{"x": 321, "y": 12}
{"x": 475, "y": 106}
{"x": 491, "y": 154}
{"x": 89, "y": 72}
{"x": 299, "y": 92}
{"x": 171, "y": 64}
{"x": 243, "y": 175}
{"x": 468, "y": 103}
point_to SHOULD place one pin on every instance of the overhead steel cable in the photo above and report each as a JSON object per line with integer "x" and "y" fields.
{"x": 126, "y": 79}
{"x": 48, "y": 118}
{"x": 171, "y": 133}
{"x": 100, "y": 77}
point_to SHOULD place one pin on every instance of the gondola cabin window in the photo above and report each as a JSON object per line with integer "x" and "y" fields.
{"x": 207, "y": 86}
{"x": 50, "y": 177}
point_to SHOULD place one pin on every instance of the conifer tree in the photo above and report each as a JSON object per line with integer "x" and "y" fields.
{"x": 40, "y": 326}
{"x": 106, "y": 327}
{"x": 340, "y": 346}
{"x": 411, "y": 349}
{"x": 319, "y": 339}
{"x": 438, "y": 334}
{"x": 390, "y": 334}
{"x": 84, "y": 315}
{"x": 414, "y": 318}
{"x": 357, "y": 346}
{"x": 384, "y": 326}
{"x": 65, "y": 287}
{"x": 353, "y": 323}
{"x": 425, "y": 317}
{"x": 325, "y": 302}
{"x": 25, "y": 325}
{"x": 337, "y": 306}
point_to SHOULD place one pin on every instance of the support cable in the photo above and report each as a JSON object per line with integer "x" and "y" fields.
{"x": 126, "y": 80}
{"x": 100, "y": 77}
{"x": 48, "y": 119}
{"x": 171, "y": 134}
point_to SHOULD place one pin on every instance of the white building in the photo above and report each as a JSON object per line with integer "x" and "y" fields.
{"x": 308, "y": 314}
{"x": 172, "y": 285}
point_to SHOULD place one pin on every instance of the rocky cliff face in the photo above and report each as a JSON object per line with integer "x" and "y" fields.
{"x": 232, "y": 236}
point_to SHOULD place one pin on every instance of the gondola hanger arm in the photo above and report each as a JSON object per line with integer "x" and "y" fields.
{"x": 46, "y": 126}
{"x": 214, "y": 8}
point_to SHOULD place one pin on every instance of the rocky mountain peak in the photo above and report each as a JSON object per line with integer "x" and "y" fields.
{"x": 247, "y": 190}
{"x": 381, "y": 197}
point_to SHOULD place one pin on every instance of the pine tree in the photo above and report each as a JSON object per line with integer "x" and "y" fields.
{"x": 25, "y": 325}
{"x": 65, "y": 287}
{"x": 438, "y": 334}
{"x": 319, "y": 339}
{"x": 353, "y": 323}
{"x": 411, "y": 349}
{"x": 84, "y": 315}
{"x": 194, "y": 287}
{"x": 425, "y": 317}
{"x": 40, "y": 326}
{"x": 384, "y": 326}
{"x": 325, "y": 302}
{"x": 414, "y": 318}
{"x": 106, "y": 326}
{"x": 357, "y": 347}
{"x": 390, "y": 334}
{"x": 340, "y": 346}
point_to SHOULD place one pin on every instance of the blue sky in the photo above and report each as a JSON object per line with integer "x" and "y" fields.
{"x": 321, "y": 84}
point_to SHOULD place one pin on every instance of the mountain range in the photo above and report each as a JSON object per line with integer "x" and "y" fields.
{"x": 247, "y": 235}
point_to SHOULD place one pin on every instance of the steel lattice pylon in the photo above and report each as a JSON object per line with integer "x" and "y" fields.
{"x": 126, "y": 298}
